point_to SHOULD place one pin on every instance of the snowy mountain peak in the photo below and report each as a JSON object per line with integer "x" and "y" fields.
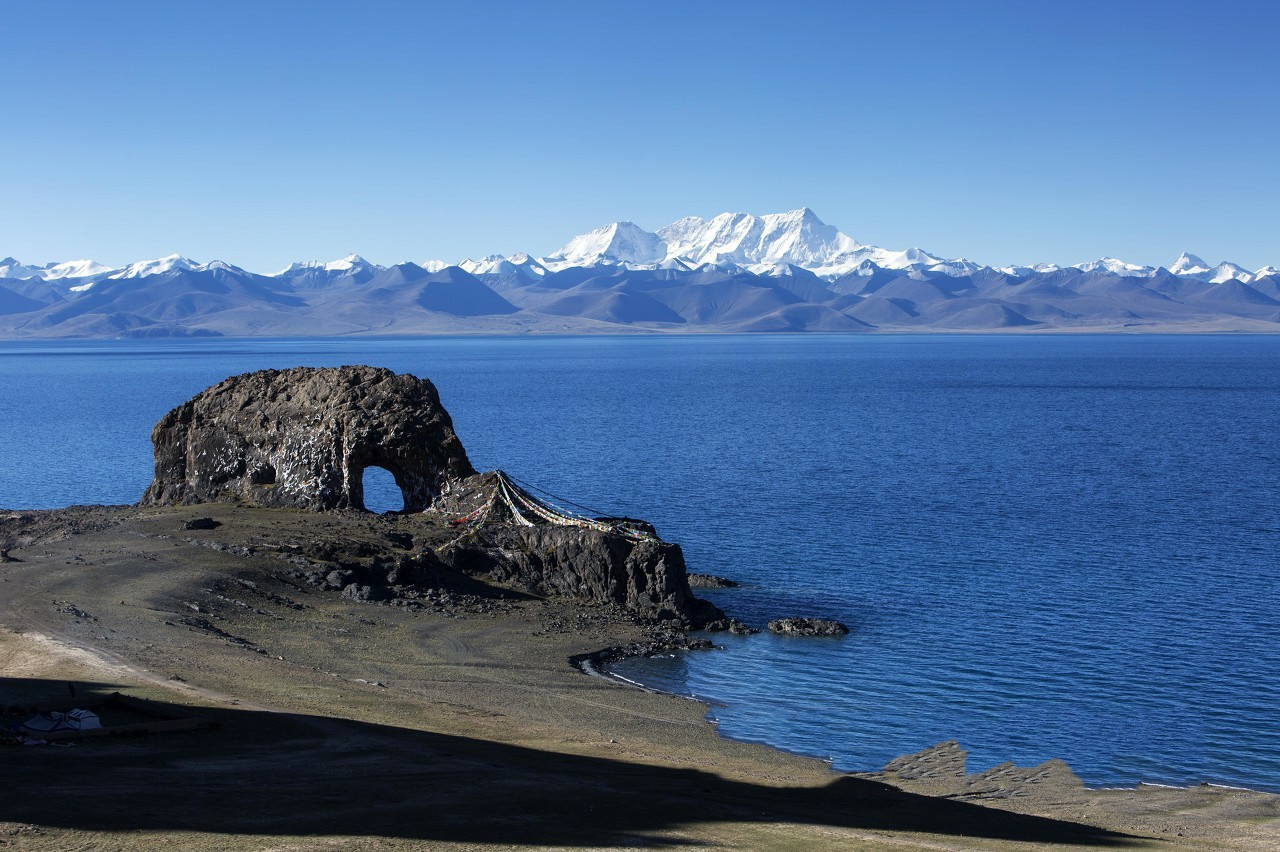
{"x": 156, "y": 267}
{"x": 11, "y": 268}
{"x": 1189, "y": 265}
{"x": 1227, "y": 271}
{"x": 797, "y": 236}
{"x": 351, "y": 261}
{"x": 615, "y": 243}
{"x": 75, "y": 269}
{"x": 519, "y": 263}
{"x": 346, "y": 265}
{"x": 1117, "y": 267}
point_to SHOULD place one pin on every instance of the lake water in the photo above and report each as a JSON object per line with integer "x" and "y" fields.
{"x": 1046, "y": 546}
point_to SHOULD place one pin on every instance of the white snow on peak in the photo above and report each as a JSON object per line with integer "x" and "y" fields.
{"x": 346, "y": 264}
{"x": 75, "y": 269}
{"x": 617, "y": 243}
{"x": 10, "y": 268}
{"x": 435, "y": 265}
{"x": 797, "y": 237}
{"x": 1265, "y": 271}
{"x": 156, "y": 267}
{"x": 221, "y": 265}
{"x": 1189, "y": 266}
{"x": 1227, "y": 271}
{"x": 734, "y": 241}
{"x": 350, "y": 263}
{"x": 1117, "y": 267}
{"x": 520, "y": 263}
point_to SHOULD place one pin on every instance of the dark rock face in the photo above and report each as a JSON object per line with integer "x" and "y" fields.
{"x": 302, "y": 438}
{"x": 807, "y": 627}
{"x": 647, "y": 577}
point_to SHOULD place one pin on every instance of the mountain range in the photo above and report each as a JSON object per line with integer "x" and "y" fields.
{"x": 735, "y": 272}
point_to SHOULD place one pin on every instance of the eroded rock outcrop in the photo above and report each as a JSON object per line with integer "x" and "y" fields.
{"x": 302, "y": 438}
{"x": 647, "y": 577}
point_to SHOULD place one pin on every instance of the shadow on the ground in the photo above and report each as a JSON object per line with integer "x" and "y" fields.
{"x": 277, "y": 774}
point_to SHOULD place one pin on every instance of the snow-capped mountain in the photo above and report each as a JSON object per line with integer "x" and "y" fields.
{"x": 519, "y": 263}
{"x": 10, "y": 268}
{"x": 757, "y": 244}
{"x": 775, "y": 245}
{"x": 734, "y": 272}
{"x": 1189, "y": 266}
{"x": 614, "y": 244}
{"x": 345, "y": 265}
{"x": 155, "y": 267}
{"x": 798, "y": 237}
{"x": 1117, "y": 267}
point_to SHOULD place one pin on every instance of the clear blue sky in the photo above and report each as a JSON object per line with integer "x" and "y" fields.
{"x": 266, "y": 132}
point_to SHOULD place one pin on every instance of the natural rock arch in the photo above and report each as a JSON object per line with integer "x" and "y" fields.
{"x": 302, "y": 438}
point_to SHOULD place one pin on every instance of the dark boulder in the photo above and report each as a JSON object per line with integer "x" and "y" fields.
{"x": 807, "y": 627}
{"x": 730, "y": 625}
{"x": 647, "y": 577}
{"x": 302, "y": 438}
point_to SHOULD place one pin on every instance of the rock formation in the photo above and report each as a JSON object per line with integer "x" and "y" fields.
{"x": 807, "y": 627}
{"x": 647, "y": 577}
{"x": 302, "y": 438}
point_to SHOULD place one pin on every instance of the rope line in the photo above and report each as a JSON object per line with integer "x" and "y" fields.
{"x": 522, "y": 504}
{"x": 552, "y": 496}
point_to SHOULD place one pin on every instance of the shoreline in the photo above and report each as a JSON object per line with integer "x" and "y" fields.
{"x": 596, "y": 665}
{"x": 196, "y": 341}
{"x": 473, "y": 714}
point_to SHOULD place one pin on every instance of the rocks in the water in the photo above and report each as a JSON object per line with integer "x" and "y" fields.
{"x": 730, "y": 625}
{"x": 711, "y": 581}
{"x": 202, "y": 524}
{"x": 807, "y": 627}
{"x": 302, "y": 438}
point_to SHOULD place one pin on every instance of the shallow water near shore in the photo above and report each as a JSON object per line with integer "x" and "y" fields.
{"x": 1045, "y": 546}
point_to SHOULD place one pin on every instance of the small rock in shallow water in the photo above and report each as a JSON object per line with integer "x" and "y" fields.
{"x": 710, "y": 581}
{"x": 732, "y": 625}
{"x": 807, "y": 627}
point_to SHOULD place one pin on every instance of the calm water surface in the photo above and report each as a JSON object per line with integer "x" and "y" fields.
{"x": 1045, "y": 546}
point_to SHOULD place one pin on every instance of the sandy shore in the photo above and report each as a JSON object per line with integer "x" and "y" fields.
{"x": 356, "y": 725}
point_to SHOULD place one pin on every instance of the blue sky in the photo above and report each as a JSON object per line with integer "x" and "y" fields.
{"x": 267, "y": 132}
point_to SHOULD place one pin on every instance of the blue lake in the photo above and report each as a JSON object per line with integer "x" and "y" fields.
{"x": 1046, "y": 546}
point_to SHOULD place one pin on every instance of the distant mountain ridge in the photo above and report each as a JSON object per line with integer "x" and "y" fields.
{"x": 731, "y": 273}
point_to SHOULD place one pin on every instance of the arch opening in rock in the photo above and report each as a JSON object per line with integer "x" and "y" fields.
{"x": 379, "y": 491}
